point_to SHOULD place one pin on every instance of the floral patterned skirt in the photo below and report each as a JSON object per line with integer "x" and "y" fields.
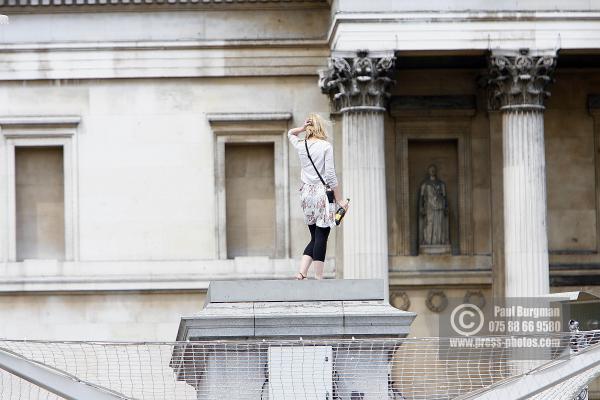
{"x": 315, "y": 206}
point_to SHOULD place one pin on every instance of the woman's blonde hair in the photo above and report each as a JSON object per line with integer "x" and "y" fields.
{"x": 317, "y": 128}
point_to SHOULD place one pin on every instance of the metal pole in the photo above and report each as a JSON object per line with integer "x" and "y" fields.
{"x": 52, "y": 381}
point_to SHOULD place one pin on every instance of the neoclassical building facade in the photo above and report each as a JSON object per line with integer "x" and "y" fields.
{"x": 144, "y": 152}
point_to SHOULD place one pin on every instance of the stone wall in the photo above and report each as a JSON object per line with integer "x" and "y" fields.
{"x": 570, "y": 140}
{"x": 146, "y": 157}
{"x": 137, "y": 88}
{"x": 99, "y": 316}
{"x": 146, "y": 173}
{"x": 468, "y": 129}
{"x": 145, "y": 153}
{"x": 571, "y": 168}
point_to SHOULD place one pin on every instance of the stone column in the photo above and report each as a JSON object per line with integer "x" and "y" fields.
{"x": 358, "y": 89}
{"x": 518, "y": 83}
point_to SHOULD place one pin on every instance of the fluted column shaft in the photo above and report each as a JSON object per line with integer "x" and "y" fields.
{"x": 365, "y": 230}
{"x": 525, "y": 228}
{"x": 359, "y": 88}
{"x": 518, "y": 82}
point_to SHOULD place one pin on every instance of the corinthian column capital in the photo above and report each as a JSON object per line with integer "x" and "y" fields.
{"x": 360, "y": 82}
{"x": 519, "y": 80}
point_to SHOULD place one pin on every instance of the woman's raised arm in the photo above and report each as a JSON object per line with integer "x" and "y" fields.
{"x": 294, "y": 132}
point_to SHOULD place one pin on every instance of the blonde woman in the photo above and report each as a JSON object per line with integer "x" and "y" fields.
{"x": 318, "y": 171}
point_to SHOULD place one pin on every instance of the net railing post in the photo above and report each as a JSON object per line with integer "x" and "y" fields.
{"x": 578, "y": 346}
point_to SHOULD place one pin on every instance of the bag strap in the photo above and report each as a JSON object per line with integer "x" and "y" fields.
{"x": 313, "y": 164}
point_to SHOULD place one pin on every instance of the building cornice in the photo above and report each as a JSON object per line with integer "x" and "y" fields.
{"x": 48, "y": 6}
{"x": 152, "y": 59}
{"x": 463, "y": 30}
{"x": 164, "y": 45}
{"x": 49, "y": 276}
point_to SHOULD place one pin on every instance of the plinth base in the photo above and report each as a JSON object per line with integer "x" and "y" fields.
{"x": 435, "y": 249}
{"x": 347, "y": 328}
{"x": 275, "y": 309}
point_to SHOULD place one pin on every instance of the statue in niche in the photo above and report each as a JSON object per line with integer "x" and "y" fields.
{"x": 434, "y": 235}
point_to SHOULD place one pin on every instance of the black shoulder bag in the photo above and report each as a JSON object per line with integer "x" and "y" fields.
{"x": 328, "y": 190}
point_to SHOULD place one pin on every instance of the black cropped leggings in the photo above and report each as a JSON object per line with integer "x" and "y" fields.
{"x": 317, "y": 247}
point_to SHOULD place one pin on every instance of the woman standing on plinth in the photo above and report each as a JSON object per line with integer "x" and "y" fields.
{"x": 318, "y": 177}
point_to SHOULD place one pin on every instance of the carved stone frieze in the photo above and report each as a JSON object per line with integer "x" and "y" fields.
{"x": 519, "y": 81}
{"x": 436, "y": 301}
{"x": 361, "y": 81}
{"x": 474, "y": 297}
{"x": 400, "y": 300}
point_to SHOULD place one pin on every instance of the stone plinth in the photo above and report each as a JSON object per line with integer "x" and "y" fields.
{"x": 276, "y": 309}
{"x": 434, "y": 249}
{"x": 291, "y": 340}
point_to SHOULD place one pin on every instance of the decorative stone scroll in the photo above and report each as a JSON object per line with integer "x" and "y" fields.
{"x": 519, "y": 81}
{"x": 361, "y": 82}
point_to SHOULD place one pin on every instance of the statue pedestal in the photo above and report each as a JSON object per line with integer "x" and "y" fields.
{"x": 252, "y": 336}
{"x": 435, "y": 249}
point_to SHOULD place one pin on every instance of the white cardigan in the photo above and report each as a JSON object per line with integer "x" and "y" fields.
{"x": 321, "y": 152}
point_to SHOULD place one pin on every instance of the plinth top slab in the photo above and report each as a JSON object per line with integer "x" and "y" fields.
{"x": 287, "y": 309}
{"x": 251, "y": 291}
